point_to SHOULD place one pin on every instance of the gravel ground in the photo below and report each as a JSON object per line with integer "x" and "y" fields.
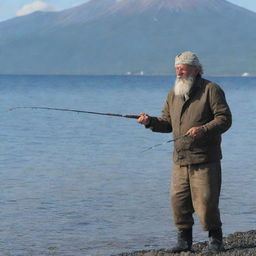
{"x": 237, "y": 244}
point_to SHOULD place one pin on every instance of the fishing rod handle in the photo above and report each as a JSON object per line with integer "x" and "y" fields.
{"x": 131, "y": 116}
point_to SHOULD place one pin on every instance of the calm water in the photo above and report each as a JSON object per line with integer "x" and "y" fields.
{"x": 76, "y": 184}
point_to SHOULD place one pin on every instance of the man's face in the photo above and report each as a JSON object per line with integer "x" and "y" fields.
{"x": 185, "y": 70}
{"x": 185, "y": 78}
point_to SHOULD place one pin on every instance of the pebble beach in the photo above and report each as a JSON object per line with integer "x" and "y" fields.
{"x": 237, "y": 244}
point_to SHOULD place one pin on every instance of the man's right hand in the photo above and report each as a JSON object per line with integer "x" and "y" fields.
{"x": 144, "y": 119}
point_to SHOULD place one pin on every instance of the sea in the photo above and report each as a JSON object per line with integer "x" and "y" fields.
{"x": 76, "y": 184}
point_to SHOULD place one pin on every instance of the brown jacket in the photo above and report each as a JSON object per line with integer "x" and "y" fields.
{"x": 207, "y": 107}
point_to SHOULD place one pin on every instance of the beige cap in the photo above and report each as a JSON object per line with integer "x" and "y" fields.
{"x": 189, "y": 58}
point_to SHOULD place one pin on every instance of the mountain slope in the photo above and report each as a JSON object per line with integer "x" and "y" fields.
{"x": 115, "y": 37}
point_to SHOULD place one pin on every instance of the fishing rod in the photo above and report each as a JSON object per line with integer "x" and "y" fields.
{"x": 160, "y": 144}
{"x": 99, "y": 113}
{"x": 78, "y": 111}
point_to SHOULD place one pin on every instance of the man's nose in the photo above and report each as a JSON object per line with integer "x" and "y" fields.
{"x": 179, "y": 72}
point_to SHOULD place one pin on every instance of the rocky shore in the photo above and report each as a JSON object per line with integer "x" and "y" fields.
{"x": 237, "y": 244}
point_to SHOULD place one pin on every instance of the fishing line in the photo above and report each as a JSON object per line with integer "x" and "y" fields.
{"x": 160, "y": 144}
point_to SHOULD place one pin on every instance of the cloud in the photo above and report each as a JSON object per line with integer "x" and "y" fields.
{"x": 36, "y": 6}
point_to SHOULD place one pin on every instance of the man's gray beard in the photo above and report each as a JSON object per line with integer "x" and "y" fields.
{"x": 183, "y": 85}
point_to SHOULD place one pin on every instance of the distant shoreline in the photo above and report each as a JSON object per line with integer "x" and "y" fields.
{"x": 124, "y": 75}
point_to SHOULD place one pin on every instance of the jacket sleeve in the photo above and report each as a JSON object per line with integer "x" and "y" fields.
{"x": 163, "y": 123}
{"x": 222, "y": 118}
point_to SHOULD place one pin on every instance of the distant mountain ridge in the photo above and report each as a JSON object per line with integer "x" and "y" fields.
{"x": 130, "y": 36}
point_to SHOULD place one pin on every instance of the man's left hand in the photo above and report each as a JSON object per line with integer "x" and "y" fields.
{"x": 196, "y": 132}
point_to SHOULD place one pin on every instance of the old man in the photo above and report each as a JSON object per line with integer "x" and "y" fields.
{"x": 196, "y": 110}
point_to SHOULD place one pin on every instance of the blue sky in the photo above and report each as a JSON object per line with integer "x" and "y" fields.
{"x": 13, "y": 8}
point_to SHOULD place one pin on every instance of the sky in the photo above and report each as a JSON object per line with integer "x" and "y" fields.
{"x": 13, "y": 8}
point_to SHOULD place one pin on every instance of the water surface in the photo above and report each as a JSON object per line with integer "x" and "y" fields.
{"x": 77, "y": 184}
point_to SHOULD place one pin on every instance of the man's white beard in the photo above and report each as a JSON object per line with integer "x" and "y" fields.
{"x": 183, "y": 85}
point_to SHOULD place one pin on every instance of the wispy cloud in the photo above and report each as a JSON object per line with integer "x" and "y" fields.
{"x": 36, "y": 6}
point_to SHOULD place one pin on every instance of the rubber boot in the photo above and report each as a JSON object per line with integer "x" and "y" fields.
{"x": 215, "y": 241}
{"x": 184, "y": 241}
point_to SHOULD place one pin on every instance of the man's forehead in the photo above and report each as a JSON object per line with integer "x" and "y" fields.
{"x": 184, "y": 66}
